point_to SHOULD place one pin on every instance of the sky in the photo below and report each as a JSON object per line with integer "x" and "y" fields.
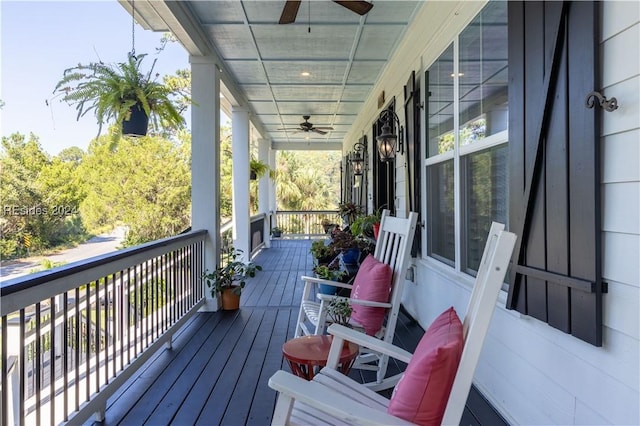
{"x": 40, "y": 39}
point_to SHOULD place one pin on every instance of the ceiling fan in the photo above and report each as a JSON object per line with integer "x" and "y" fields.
{"x": 291, "y": 7}
{"x": 307, "y": 126}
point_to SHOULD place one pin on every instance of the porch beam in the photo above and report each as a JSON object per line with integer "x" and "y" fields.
{"x": 306, "y": 146}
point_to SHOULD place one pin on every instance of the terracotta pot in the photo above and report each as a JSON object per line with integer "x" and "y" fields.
{"x": 230, "y": 300}
{"x": 376, "y": 230}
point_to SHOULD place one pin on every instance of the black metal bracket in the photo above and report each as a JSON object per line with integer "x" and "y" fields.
{"x": 608, "y": 105}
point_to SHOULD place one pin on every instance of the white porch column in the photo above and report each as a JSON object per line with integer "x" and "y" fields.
{"x": 205, "y": 159}
{"x": 273, "y": 205}
{"x": 240, "y": 149}
{"x": 263, "y": 190}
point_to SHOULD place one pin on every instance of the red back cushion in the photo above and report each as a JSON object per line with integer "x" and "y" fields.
{"x": 422, "y": 393}
{"x": 373, "y": 283}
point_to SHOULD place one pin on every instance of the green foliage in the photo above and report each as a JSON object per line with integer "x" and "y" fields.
{"x": 110, "y": 90}
{"x": 329, "y": 272}
{"x": 339, "y": 311}
{"x": 234, "y": 274}
{"x": 307, "y": 180}
{"x": 40, "y": 198}
{"x": 144, "y": 183}
{"x": 46, "y": 264}
{"x": 258, "y": 167}
{"x": 321, "y": 252}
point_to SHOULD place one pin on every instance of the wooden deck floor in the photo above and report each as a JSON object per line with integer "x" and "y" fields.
{"x": 217, "y": 370}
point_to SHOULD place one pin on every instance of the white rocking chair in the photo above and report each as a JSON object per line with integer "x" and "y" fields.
{"x": 393, "y": 247}
{"x": 332, "y": 398}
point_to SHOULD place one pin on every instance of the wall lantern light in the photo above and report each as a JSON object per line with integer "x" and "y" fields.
{"x": 358, "y": 158}
{"x": 388, "y": 142}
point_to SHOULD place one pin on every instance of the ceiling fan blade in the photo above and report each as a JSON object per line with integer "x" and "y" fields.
{"x": 323, "y": 128}
{"x": 359, "y": 7}
{"x": 318, "y": 131}
{"x": 290, "y": 11}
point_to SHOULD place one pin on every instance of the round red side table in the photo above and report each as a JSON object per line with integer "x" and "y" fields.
{"x": 306, "y": 353}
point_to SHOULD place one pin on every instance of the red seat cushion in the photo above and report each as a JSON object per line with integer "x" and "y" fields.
{"x": 422, "y": 393}
{"x": 373, "y": 283}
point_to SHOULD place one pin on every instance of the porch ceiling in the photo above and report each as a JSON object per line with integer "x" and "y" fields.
{"x": 263, "y": 62}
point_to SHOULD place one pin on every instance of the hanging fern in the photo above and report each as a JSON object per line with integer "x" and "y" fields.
{"x": 110, "y": 90}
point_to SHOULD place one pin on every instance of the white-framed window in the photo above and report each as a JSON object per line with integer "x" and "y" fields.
{"x": 466, "y": 140}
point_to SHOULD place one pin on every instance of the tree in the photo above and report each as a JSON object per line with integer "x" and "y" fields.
{"x": 40, "y": 197}
{"x": 143, "y": 183}
{"x": 302, "y": 187}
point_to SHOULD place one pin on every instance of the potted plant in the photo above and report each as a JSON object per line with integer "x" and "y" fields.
{"x": 121, "y": 93}
{"x": 339, "y": 311}
{"x": 327, "y": 226}
{"x": 276, "y": 232}
{"x": 329, "y": 272}
{"x": 345, "y": 242}
{"x": 257, "y": 169}
{"x": 321, "y": 252}
{"x": 349, "y": 211}
{"x": 229, "y": 280}
{"x": 367, "y": 225}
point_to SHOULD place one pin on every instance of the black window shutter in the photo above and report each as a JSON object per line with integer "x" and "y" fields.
{"x": 412, "y": 124}
{"x": 554, "y": 193}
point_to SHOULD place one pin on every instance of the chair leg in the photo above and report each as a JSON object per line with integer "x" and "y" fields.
{"x": 299, "y": 328}
{"x": 282, "y": 411}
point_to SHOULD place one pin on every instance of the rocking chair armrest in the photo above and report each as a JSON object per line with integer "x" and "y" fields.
{"x": 308, "y": 279}
{"x": 370, "y": 303}
{"x": 327, "y": 400}
{"x": 342, "y": 333}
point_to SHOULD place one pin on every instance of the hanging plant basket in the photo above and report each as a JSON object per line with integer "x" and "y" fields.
{"x": 137, "y": 123}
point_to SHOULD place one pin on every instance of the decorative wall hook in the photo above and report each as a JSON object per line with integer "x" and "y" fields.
{"x": 607, "y": 105}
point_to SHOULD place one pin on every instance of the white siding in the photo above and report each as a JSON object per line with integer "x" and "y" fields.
{"x": 531, "y": 372}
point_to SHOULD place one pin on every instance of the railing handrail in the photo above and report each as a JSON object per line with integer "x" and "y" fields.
{"x": 66, "y": 277}
{"x": 307, "y": 211}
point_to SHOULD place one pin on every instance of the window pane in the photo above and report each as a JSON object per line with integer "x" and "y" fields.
{"x": 440, "y": 198}
{"x": 440, "y": 104}
{"x": 483, "y": 74}
{"x": 485, "y": 197}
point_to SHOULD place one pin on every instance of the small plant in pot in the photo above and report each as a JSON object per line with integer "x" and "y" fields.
{"x": 229, "y": 280}
{"x": 349, "y": 211}
{"x": 329, "y": 272}
{"x": 344, "y": 242}
{"x": 276, "y": 232}
{"x": 339, "y": 311}
{"x": 321, "y": 252}
{"x": 257, "y": 169}
{"x": 121, "y": 93}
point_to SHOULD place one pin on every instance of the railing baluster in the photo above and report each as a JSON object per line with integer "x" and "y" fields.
{"x": 65, "y": 355}
{"x": 70, "y": 341}
{"x": 76, "y": 325}
{"x": 37, "y": 357}
{"x": 23, "y": 367}
{"x": 87, "y": 342}
{"x": 5, "y": 372}
{"x": 52, "y": 361}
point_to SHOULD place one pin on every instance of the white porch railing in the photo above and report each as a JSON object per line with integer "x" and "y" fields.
{"x": 72, "y": 335}
{"x": 304, "y": 223}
